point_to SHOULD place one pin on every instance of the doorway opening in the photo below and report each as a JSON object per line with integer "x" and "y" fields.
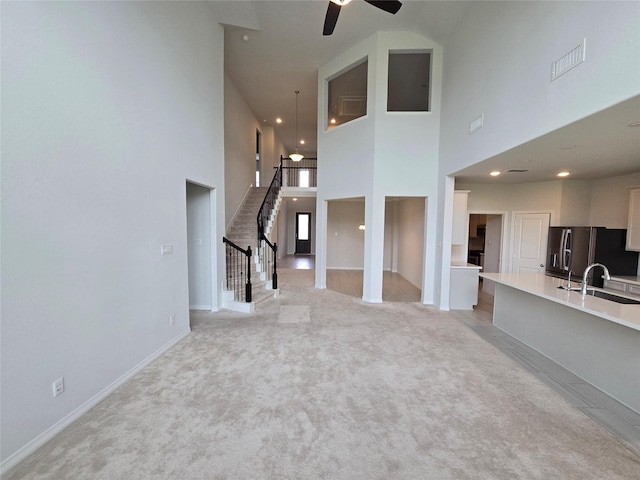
{"x": 199, "y": 247}
{"x": 404, "y": 243}
{"x": 303, "y": 233}
{"x": 485, "y": 244}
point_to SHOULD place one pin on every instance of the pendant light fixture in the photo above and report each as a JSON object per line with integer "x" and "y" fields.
{"x": 296, "y": 157}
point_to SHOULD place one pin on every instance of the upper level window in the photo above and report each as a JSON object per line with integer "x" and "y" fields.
{"x": 409, "y": 84}
{"x": 348, "y": 95}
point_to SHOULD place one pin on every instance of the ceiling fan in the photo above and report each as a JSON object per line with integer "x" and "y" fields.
{"x": 391, "y": 6}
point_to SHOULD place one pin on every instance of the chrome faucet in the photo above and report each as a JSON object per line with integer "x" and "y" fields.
{"x": 583, "y": 290}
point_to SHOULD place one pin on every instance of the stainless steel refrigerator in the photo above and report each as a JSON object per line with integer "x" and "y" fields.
{"x": 574, "y": 248}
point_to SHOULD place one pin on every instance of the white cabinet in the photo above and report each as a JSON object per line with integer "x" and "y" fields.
{"x": 460, "y": 230}
{"x": 633, "y": 228}
{"x": 463, "y": 286}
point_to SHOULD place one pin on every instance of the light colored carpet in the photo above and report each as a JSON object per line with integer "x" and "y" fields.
{"x": 318, "y": 385}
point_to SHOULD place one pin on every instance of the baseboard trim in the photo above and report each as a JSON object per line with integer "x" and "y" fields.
{"x": 14, "y": 459}
{"x": 200, "y": 307}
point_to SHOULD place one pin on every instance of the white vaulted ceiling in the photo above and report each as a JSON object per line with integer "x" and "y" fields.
{"x": 273, "y": 48}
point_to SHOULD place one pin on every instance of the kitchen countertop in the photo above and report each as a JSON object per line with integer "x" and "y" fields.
{"x": 634, "y": 280}
{"x": 455, "y": 264}
{"x": 547, "y": 287}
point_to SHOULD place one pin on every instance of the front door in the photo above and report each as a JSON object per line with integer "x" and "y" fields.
{"x": 303, "y": 233}
{"x": 530, "y": 242}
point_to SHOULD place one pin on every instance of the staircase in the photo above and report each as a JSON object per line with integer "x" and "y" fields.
{"x": 243, "y": 232}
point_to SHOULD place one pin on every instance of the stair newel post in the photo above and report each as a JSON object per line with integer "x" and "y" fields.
{"x": 248, "y": 287}
{"x": 274, "y": 278}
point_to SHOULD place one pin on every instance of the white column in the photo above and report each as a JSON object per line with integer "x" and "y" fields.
{"x": 373, "y": 249}
{"x": 321, "y": 243}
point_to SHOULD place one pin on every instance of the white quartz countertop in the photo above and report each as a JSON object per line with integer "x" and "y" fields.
{"x": 547, "y": 287}
{"x": 455, "y": 264}
{"x": 634, "y": 280}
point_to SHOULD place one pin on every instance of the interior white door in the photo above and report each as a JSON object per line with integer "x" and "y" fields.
{"x": 530, "y": 242}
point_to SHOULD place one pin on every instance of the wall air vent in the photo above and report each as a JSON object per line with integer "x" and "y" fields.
{"x": 352, "y": 106}
{"x": 515, "y": 170}
{"x": 569, "y": 60}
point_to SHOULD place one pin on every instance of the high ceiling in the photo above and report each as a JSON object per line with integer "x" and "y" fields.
{"x": 273, "y": 48}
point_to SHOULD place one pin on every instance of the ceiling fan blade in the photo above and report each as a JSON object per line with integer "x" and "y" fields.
{"x": 391, "y": 6}
{"x": 331, "y": 18}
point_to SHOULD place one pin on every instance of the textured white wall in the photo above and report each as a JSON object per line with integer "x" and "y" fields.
{"x": 410, "y": 216}
{"x": 239, "y": 149}
{"x": 498, "y": 63}
{"x": 379, "y": 155}
{"x": 610, "y": 200}
{"x": 345, "y": 242}
{"x": 107, "y": 109}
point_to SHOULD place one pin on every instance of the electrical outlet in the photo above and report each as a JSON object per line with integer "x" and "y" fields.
{"x": 167, "y": 249}
{"x": 58, "y": 387}
{"x": 172, "y": 319}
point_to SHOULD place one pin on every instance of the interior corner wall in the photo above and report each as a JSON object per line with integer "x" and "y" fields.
{"x": 345, "y": 241}
{"x": 610, "y": 200}
{"x": 575, "y": 202}
{"x": 107, "y": 109}
{"x": 240, "y": 130}
{"x": 410, "y": 217}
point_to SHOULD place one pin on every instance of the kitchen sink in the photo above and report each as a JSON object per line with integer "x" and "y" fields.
{"x": 604, "y": 295}
{"x": 612, "y": 297}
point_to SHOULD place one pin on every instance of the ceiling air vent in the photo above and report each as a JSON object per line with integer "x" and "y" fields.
{"x": 352, "y": 106}
{"x": 569, "y": 60}
{"x": 515, "y": 170}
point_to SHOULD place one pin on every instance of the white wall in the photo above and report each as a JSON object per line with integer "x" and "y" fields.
{"x": 410, "y": 218}
{"x": 499, "y": 60}
{"x": 379, "y": 155}
{"x": 107, "y": 109}
{"x": 345, "y": 242}
{"x": 575, "y": 202}
{"x": 610, "y": 200}
{"x": 498, "y": 64}
{"x": 241, "y": 125}
{"x": 603, "y": 202}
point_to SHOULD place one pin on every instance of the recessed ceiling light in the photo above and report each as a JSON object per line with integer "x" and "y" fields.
{"x": 333, "y": 120}
{"x": 495, "y": 173}
{"x": 301, "y": 142}
{"x": 295, "y": 199}
{"x": 634, "y": 125}
{"x": 563, "y": 174}
{"x": 278, "y": 120}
